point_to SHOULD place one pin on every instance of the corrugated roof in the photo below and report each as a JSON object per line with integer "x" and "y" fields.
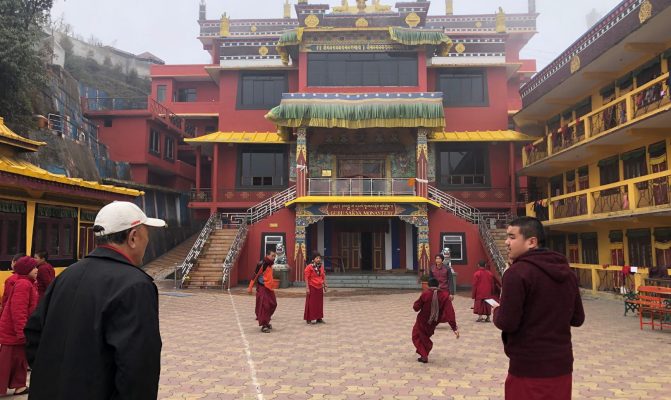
{"x": 239, "y": 137}
{"x": 17, "y": 140}
{"x": 481, "y": 136}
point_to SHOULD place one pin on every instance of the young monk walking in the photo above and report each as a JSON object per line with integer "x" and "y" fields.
{"x": 266, "y": 303}
{"x": 485, "y": 285}
{"x": 315, "y": 286}
{"x": 432, "y": 303}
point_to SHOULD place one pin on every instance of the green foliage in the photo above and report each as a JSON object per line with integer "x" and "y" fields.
{"x": 22, "y": 70}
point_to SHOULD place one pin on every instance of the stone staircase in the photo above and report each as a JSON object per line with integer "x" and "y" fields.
{"x": 500, "y": 236}
{"x": 374, "y": 281}
{"x": 165, "y": 265}
{"x": 209, "y": 271}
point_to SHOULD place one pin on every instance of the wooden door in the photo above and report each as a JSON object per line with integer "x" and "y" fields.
{"x": 350, "y": 249}
{"x": 378, "y": 250}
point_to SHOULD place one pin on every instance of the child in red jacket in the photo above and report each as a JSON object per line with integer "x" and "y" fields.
{"x": 21, "y": 302}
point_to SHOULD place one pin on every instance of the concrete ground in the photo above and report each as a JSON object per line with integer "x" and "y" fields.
{"x": 213, "y": 349}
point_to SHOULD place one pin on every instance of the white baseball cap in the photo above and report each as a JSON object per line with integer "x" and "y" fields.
{"x": 119, "y": 216}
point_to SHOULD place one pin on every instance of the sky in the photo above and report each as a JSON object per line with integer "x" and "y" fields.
{"x": 169, "y": 28}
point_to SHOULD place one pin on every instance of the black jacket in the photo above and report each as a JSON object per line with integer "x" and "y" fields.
{"x": 95, "y": 334}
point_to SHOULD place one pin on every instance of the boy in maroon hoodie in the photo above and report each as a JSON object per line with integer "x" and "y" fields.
{"x": 540, "y": 302}
{"x": 21, "y": 302}
{"x": 45, "y": 272}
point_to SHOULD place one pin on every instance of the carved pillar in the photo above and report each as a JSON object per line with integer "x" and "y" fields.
{"x": 301, "y": 162}
{"x": 215, "y": 174}
{"x": 513, "y": 177}
{"x": 198, "y": 171}
{"x": 421, "y": 180}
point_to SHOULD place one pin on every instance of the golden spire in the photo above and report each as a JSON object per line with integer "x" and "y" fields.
{"x": 449, "y": 7}
{"x": 501, "y": 21}
{"x": 287, "y": 9}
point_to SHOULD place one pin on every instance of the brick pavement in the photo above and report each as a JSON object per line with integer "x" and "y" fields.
{"x": 364, "y": 351}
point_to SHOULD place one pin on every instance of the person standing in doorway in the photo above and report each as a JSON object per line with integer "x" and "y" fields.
{"x": 540, "y": 302}
{"x": 315, "y": 286}
{"x": 266, "y": 302}
{"x": 45, "y": 272}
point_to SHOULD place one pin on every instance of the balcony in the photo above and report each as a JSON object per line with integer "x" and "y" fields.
{"x": 361, "y": 187}
{"x": 631, "y": 108}
{"x": 643, "y": 195}
{"x": 123, "y": 106}
{"x": 204, "y": 195}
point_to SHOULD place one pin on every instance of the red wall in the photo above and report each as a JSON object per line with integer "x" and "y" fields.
{"x": 443, "y": 221}
{"x": 492, "y": 117}
{"x": 233, "y": 120}
{"x": 205, "y": 91}
{"x": 123, "y": 132}
{"x": 499, "y": 165}
{"x": 286, "y": 223}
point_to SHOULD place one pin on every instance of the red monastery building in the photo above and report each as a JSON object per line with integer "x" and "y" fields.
{"x": 377, "y": 135}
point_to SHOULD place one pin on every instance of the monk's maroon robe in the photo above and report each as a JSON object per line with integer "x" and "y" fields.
{"x": 423, "y": 330}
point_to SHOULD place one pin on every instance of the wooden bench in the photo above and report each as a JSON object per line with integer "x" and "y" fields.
{"x": 655, "y": 306}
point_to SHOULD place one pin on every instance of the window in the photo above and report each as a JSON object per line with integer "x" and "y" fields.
{"x": 609, "y": 170}
{"x": 154, "y": 141}
{"x": 362, "y": 69}
{"x": 463, "y": 165}
{"x": 557, "y": 243}
{"x": 107, "y": 123}
{"x": 186, "y": 95}
{"x": 263, "y": 167}
{"x": 169, "y": 148}
{"x": 557, "y": 185}
{"x": 456, "y": 242}
{"x": 640, "y": 247}
{"x": 160, "y": 93}
{"x": 648, "y": 72}
{"x": 261, "y": 91}
{"x": 634, "y": 163}
{"x": 270, "y": 242}
{"x": 55, "y": 231}
{"x": 590, "y": 248}
{"x": 463, "y": 88}
{"x": 11, "y": 232}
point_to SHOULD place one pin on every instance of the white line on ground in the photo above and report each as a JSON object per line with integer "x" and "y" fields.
{"x": 248, "y": 352}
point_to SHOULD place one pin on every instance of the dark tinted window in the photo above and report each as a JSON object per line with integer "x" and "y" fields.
{"x": 362, "y": 69}
{"x": 263, "y": 167}
{"x": 462, "y": 166}
{"x": 186, "y": 95}
{"x": 463, "y": 87}
{"x": 261, "y": 91}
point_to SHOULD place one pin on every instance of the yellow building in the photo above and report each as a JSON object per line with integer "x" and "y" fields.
{"x": 599, "y": 176}
{"x": 40, "y": 210}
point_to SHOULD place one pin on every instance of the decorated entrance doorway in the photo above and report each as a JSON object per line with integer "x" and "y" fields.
{"x": 362, "y": 242}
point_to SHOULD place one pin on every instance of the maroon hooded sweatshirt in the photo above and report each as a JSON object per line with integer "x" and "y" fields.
{"x": 540, "y": 302}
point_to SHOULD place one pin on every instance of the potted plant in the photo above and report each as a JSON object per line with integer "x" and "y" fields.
{"x": 425, "y": 281}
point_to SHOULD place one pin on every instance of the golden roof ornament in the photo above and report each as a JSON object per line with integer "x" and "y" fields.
{"x": 501, "y": 21}
{"x": 361, "y": 23}
{"x": 449, "y": 7}
{"x": 311, "y": 21}
{"x": 645, "y": 11}
{"x": 412, "y": 20}
{"x": 225, "y": 25}
{"x": 361, "y": 7}
{"x": 287, "y": 9}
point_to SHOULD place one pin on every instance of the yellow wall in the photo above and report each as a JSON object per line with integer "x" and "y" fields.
{"x": 6, "y": 274}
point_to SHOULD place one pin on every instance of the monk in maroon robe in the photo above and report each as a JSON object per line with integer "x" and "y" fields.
{"x": 485, "y": 286}
{"x": 266, "y": 302}
{"x": 540, "y": 302}
{"x": 315, "y": 286}
{"x": 433, "y": 306}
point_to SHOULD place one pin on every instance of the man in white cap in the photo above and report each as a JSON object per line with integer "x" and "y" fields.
{"x": 95, "y": 334}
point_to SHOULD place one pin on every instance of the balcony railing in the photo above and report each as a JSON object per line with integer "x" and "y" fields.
{"x": 644, "y": 193}
{"x": 361, "y": 187}
{"x": 639, "y": 103}
{"x": 158, "y": 110}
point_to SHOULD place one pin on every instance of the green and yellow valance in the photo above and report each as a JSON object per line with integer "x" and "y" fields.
{"x": 418, "y": 37}
{"x": 358, "y": 111}
{"x": 288, "y": 38}
{"x": 55, "y": 212}
{"x": 12, "y": 207}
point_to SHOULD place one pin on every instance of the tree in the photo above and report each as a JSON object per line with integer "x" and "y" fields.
{"x": 22, "y": 70}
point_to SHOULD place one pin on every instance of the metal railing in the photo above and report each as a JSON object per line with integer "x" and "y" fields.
{"x": 473, "y": 215}
{"x": 361, "y": 186}
{"x": 233, "y": 254}
{"x": 182, "y": 271}
{"x": 270, "y": 205}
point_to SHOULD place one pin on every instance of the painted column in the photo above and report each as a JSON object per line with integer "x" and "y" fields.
{"x": 513, "y": 192}
{"x": 215, "y": 177}
{"x": 30, "y": 225}
{"x": 198, "y": 171}
{"x": 421, "y": 180}
{"x": 301, "y": 162}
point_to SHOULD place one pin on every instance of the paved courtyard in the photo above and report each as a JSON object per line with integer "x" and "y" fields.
{"x": 213, "y": 349}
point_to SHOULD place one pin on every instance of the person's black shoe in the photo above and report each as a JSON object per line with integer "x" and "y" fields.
{"x": 423, "y": 360}
{"x": 320, "y": 321}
